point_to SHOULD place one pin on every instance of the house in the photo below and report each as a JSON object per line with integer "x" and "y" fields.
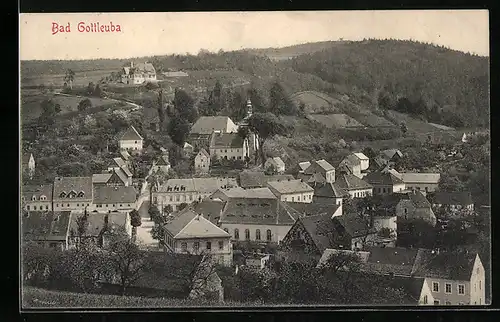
{"x": 239, "y": 192}
{"x": 318, "y": 171}
{"x": 178, "y": 191}
{"x": 414, "y": 205}
{"x": 291, "y": 190}
{"x": 303, "y": 166}
{"x": 202, "y": 161}
{"x": 384, "y": 182}
{"x": 125, "y": 156}
{"x": 117, "y": 198}
{"x": 112, "y": 178}
{"x": 72, "y": 193}
{"x": 46, "y": 228}
{"x": 364, "y": 160}
{"x": 455, "y": 278}
{"x": 202, "y": 129}
{"x": 276, "y": 164}
{"x": 312, "y": 209}
{"x": 391, "y": 155}
{"x": 228, "y": 146}
{"x": 130, "y": 140}
{"x": 37, "y": 197}
{"x": 452, "y": 201}
{"x": 356, "y": 187}
{"x": 257, "y": 219}
{"x": 329, "y": 193}
{"x": 210, "y": 209}
{"x": 258, "y": 179}
{"x": 425, "y": 182}
{"x": 386, "y": 227}
{"x": 160, "y": 164}
{"x": 352, "y": 164}
{"x": 191, "y": 233}
{"x": 138, "y": 74}
{"x": 311, "y": 235}
{"x": 28, "y": 164}
{"x": 188, "y": 149}
{"x": 257, "y": 261}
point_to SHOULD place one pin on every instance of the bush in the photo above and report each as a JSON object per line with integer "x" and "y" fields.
{"x": 84, "y": 104}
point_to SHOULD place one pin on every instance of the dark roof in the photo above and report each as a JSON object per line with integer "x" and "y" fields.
{"x": 313, "y": 208}
{"x": 418, "y": 199}
{"x": 130, "y": 134}
{"x": 256, "y": 179}
{"x": 76, "y": 184}
{"x": 351, "y": 182}
{"x": 389, "y": 154}
{"x": 257, "y": 211}
{"x": 29, "y": 191}
{"x": 163, "y": 160}
{"x": 386, "y": 260}
{"x": 226, "y": 140}
{"x": 210, "y": 209}
{"x": 204, "y": 152}
{"x": 319, "y": 165}
{"x": 329, "y": 190}
{"x": 110, "y": 195}
{"x": 316, "y": 226}
{"x": 446, "y": 265}
{"x": 379, "y": 178}
{"x": 45, "y": 225}
{"x": 290, "y": 186}
{"x": 354, "y": 225}
{"x": 352, "y": 160}
{"x": 452, "y": 198}
{"x": 411, "y": 286}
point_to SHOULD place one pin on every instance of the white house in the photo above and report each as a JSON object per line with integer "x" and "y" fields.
{"x": 202, "y": 161}
{"x": 292, "y": 190}
{"x": 138, "y": 74}
{"x": 37, "y": 198}
{"x": 72, "y": 193}
{"x": 131, "y": 140}
{"x": 191, "y": 233}
{"x": 28, "y": 164}
{"x": 229, "y": 146}
{"x": 276, "y": 163}
{"x": 364, "y": 160}
{"x": 109, "y": 199}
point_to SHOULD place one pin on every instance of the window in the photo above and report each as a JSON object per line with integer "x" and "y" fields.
{"x": 257, "y": 234}
{"x": 268, "y": 235}
{"x": 78, "y": 205}
{"x": 293, "y": 199}
{"x": 209, "y": 245}
{"x": 28, "y": 207}
{"x": 247, "y": 234}
{"x": 47, "y": 208}
{"x": 196, "y": 246}
{"x": 135, "y": 142}
{"x": 221, "y": 244}
{"x": 479, "y": 284}
{"x": 447, "y": 303}
{"x": 435, "y": 286}
{"x": 171, "y": 198}
{"x": 436, "y": 302}
{"x": 461, "y": 289}
{"x": 236, "y": 233}
{"x": 425, "y": 299}
{"x": 184, "y": 246}
{"x": 57, "y": 205}
{"x": 447, "y": 288}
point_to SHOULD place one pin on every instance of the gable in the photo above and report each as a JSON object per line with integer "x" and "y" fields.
{"x": 299, "y": 233}
{"x": 115, "y": 179}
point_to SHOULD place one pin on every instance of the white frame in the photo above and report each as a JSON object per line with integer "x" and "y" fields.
{"x": 434, "y": 283}
{"x": 458, "y": 289}
{"x": 451, "y": 288}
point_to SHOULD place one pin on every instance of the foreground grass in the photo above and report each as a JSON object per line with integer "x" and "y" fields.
{"x": 41, "y": 298}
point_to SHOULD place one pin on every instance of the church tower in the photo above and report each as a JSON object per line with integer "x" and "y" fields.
{"x": 249, "y": 108}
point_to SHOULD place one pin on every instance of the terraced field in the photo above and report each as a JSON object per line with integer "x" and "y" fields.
{"x": 57, "y": 80}
{"x": 336, "y": 121}
{"x": 315, "y": 102}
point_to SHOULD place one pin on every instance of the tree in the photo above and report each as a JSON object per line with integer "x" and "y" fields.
{"x": 135, "y": 218}
{"x": 153, "y": 212}
{"x": 258, "y": 104}
{"x": 183, "y": 206}
{"x": 70, "y": 77}
{"x": 126, "y": 261}
{"x": 73, "y": 169}
{"x": 49, "y": 111}
{"x": 279, "y": 101}
{"x": 369, "y": 152}
{"x": 404, "y": 128}
{"x": 84, "y": 104}
{"x": 98, "y": 91}
{"x": 178, "y": 130}
{"x": 90, "y": 89}
{"x": 184, "y": 105}
{"x": 238, "y": 107}
{"x": 168, "y": 209}
{"x": 266, "y": 125}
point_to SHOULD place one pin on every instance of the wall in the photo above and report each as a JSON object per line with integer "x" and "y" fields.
{"x": 361, "y": 193}
{"x": 112, "y": 207}
{"x": 278, "y": 232}
{"x": 360, "y": 242}
{"x": 454, "y": 298}
{"x": 229, "y": 153}
{"x": 477, "y": 282}
{"x": 304, "y": 197}
{"x": 201, "y": 163}
{"x": 62, "y": 205}
{"x": 426, "y": 291}
{"x": 428, "y": 187}
{"x": 379, "y": 189}
{"x": 364, "y": 164}
{"x": 385, "y": 222}
{"x": 223, "y": 256}
{"x": 38, "y": 205}
{"x": 163, "y": 198}
{"x": 131, "y": 145}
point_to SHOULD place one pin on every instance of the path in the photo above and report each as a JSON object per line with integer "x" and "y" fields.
{"x": 144, "y": 230}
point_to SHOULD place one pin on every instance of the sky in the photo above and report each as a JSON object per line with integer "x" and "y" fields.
{"x": 148, "y": 34}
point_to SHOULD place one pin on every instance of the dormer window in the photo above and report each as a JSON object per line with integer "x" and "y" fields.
{"x": 81, "y": 194}
{"x": 33, "y": 198}
{"x": 72, "y": 194}
{"x": 62, "y": 195}
{"x": 42, "y": 197}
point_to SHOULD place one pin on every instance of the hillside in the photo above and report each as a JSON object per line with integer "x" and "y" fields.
{"x": 295, "y": 50}
{"x": 442, "y": 85}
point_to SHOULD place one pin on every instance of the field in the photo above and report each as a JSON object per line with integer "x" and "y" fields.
{"x": 413, "y": 125}
{"x": 336, "y": 121}
{"x": 315, "y": 102}
{"x": 57, "y": 80}
{"x": 442, "y": 127}
{"x": 31, "y": 100}
{"x": 372, "y": 120}
{"x": 40, "y": 298}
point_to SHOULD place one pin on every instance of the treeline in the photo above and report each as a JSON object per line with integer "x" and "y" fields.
{"x": 447, "y": 86}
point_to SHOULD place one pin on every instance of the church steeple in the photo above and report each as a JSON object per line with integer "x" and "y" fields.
{"x": 249, "y": 108}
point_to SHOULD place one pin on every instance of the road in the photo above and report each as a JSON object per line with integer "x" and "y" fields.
{"x": 108, "y": 98}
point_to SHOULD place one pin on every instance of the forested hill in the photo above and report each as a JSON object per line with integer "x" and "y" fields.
{"x": 440, "y": 84}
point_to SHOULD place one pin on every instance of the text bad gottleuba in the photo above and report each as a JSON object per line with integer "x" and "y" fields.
{"x": 86, "y": 27}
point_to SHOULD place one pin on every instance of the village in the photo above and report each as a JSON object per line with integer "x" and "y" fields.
{"x": 355, "y": 213}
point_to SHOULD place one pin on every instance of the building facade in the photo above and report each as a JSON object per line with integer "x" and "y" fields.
{"x": 131, "y": 141}
{"x": 202, "y": 161}
{"x": 292, "y": 190}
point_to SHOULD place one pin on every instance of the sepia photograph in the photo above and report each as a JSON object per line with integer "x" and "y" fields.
{"x": 255, "y": 159}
